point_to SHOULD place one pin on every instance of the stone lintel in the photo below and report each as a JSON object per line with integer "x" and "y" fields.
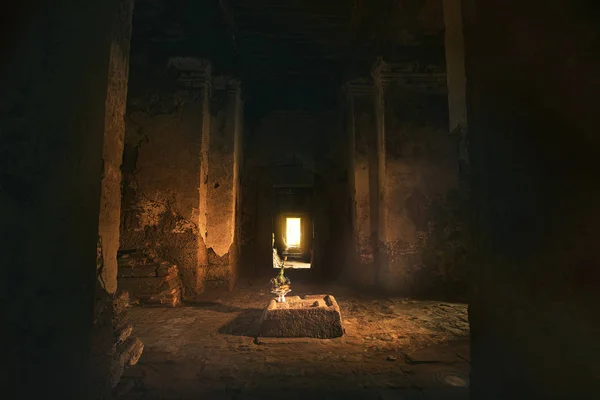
{"x": 231, "y": 84}
{"x": 359, "y": 87}
{"x": 193, "y": 72}
{"x": 413, "y": 75}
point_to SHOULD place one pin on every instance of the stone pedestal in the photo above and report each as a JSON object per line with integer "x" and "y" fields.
{"x": 315, "y": 316}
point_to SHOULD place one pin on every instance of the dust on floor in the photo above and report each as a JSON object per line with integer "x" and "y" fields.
{"x": 394, "y": 348}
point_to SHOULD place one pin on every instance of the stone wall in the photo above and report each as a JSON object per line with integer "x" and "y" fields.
{"x": 162, "y": 169}
{"x": 419, "y": 172}
{"x": 181, "y": 185}
{"x": 409, "y": 209}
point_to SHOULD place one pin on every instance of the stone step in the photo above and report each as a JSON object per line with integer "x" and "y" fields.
{"x": 134, "y": 260}
{"x": 138, "y": 271}
{"x": 151, "y": 269}
{"x": 166, "y": 269}
{"x": 149, "y": 286}
{"x": 150, "y": 280}
{"x": 171, "y": 298}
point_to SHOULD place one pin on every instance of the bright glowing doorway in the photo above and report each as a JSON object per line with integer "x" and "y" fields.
{"x": 293, "y": 232}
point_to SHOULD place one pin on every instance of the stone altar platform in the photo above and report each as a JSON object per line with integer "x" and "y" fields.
{"x": 314, "y": 316}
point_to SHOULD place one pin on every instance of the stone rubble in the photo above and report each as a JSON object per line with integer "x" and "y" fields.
{"x": 149, "y": 280}
{"x": 127, "y": 349}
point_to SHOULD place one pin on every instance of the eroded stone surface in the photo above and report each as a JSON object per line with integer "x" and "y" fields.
{"x": 161, "y": 169}
{"x": 316, "y": 316}
{"x": 150, "y": 280}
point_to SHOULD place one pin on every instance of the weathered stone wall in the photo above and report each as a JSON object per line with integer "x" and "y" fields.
{"x": 534, "y": 144}
{"x": 420, "y": 223}
{"x": 54, "y": 81}
{"x": 162, "y": 169}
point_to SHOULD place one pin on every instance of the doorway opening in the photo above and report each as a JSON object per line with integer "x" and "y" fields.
{"x": 292, "y": 247}
{"x": 293, "y": 233}
{"x": 292, "y": 224}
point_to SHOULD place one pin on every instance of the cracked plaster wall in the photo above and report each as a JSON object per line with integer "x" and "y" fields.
{"x": 162, "y": 178}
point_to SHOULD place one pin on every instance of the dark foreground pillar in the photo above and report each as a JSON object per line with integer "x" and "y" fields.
{"x": 52, "y": 119}
{"x": 533, "y": 134}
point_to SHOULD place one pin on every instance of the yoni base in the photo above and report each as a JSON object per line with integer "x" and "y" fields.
{"x": 314, "y": 316}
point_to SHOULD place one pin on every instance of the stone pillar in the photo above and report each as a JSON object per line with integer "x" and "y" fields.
{"x": 417, "y": 167}
{"x": 112, "y": 154}
{"x": 168, "y": 128}
{"x": 113, "y": 347}
{"x": 220, "y": 205}
{"x": 456, "y": 79}
{"x": 533, "y": 126}
{"x": 362, "y": 172}
{"x": 455, "y": 64}
{"x": 54, "y": 80}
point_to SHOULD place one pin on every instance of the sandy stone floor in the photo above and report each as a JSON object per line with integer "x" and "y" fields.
{"x": 393, "y": 348}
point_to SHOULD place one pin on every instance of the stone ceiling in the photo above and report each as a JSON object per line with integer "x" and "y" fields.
{"x": 291, "y": 53}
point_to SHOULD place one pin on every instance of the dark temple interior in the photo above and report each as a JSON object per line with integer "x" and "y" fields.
{"x": 422, "y": 172}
